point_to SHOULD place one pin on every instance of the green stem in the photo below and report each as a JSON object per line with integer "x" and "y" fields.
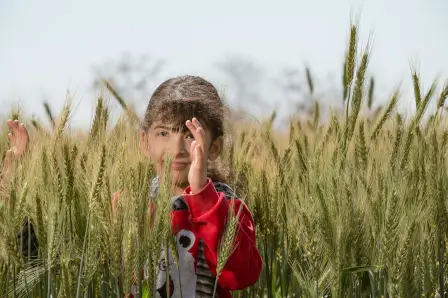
{"x": 348, "y": 103}
{"x": 49, "y": 280}
{"x": 167, "y": 274}
{"x": 14, "y": 280}
{"x": 82, "y": 256}
{"x": 216, "y": 286}
{"x": 441, "y": 271}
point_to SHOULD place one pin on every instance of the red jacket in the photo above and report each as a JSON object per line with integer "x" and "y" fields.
{"x": 198, "y": 221}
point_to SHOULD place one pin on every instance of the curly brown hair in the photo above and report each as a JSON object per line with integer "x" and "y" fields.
{"x": 180, "y": 99}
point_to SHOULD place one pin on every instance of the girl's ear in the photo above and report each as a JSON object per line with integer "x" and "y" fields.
{"x": 144, "y": 142}
{"x": 216, "y": 148}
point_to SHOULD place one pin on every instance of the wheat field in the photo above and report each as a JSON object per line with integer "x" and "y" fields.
{"x": 356, "y": 207}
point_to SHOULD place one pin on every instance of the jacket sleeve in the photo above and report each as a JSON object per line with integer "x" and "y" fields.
{"x": 209, "y": 210}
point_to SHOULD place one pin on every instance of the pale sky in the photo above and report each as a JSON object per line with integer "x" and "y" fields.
{"x": 49, "y": 46}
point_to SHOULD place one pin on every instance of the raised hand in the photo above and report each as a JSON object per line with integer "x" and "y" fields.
{"x": 18, "y": 138}
{"x": 197, "y": 176}
{"x": 18, "y": 142}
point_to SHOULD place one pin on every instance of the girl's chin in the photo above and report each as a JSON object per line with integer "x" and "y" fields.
{"x": 179, "y": 178}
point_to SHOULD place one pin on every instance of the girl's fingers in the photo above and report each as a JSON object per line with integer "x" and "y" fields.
{"x": 23, "y": 130}
{"x": 196, "y": 122}
{"x": 200, "y": 138}
{"x": 199, "y": 127}
{"x": 191, "y": 126}
{"x": 13, "y": 126}
{"x": 191, "y": 123}
{"x": 197, "y": 130}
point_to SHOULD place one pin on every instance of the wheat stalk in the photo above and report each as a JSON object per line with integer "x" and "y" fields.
{"x": 386, "y": 114}
{"x": 416, "y": 85}
{"x": 227, "y": 243}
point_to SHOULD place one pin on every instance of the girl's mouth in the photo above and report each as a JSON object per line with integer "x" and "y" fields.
{"x": 179, "y": 165}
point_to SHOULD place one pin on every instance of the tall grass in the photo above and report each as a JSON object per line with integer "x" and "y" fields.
{"x": 355, "y": 208}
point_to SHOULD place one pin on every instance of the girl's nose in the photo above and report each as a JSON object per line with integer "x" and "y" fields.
{"x": 179, "y": 146}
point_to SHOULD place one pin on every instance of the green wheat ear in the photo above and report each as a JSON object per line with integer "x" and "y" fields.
{"x": 441, "y": 101}
{"x": 227, "y": 243}
{"x": 443, "y": 96}
{"x": 361, "y": 147}
{"x": 130, "y": 113}
{"x": 350, "y": 58}
{"x": 357, "y": 95}
{"x": 97, "y": 121}
{"x": 414, "y": 124}
{"x": 309, "y": 80}
{"x": 49, "y": 114}
{"x": 416, "y": 85}
{"x": 61, "y": 126}
{"x": 386, "y": 114}
{"x": 370, "y": 94}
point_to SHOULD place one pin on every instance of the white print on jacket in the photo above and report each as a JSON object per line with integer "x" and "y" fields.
{"x": 184, "y": 240}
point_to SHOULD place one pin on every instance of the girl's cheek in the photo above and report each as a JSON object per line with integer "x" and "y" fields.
{"x": 155, "y": 156}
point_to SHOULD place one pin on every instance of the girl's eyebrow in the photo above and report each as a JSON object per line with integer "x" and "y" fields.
{"x": 164, "y": 127}
{"x": 171, "y": 128}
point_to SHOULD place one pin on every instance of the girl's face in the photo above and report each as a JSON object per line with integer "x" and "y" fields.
{"x": 162, "y": 138}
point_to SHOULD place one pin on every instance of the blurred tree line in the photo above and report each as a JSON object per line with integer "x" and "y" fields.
{"x": 250, "y": 91}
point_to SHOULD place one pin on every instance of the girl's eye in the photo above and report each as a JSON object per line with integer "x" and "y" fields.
{"x": 190, "y": 136}
{"x": 163, "y": 133}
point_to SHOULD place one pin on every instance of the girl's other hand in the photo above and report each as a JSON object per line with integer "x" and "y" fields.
{"x": 18, "y": 138}
{"x": 18, "y": 142}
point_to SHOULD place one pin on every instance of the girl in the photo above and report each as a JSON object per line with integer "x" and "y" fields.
{"x": 185, "y": 118}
